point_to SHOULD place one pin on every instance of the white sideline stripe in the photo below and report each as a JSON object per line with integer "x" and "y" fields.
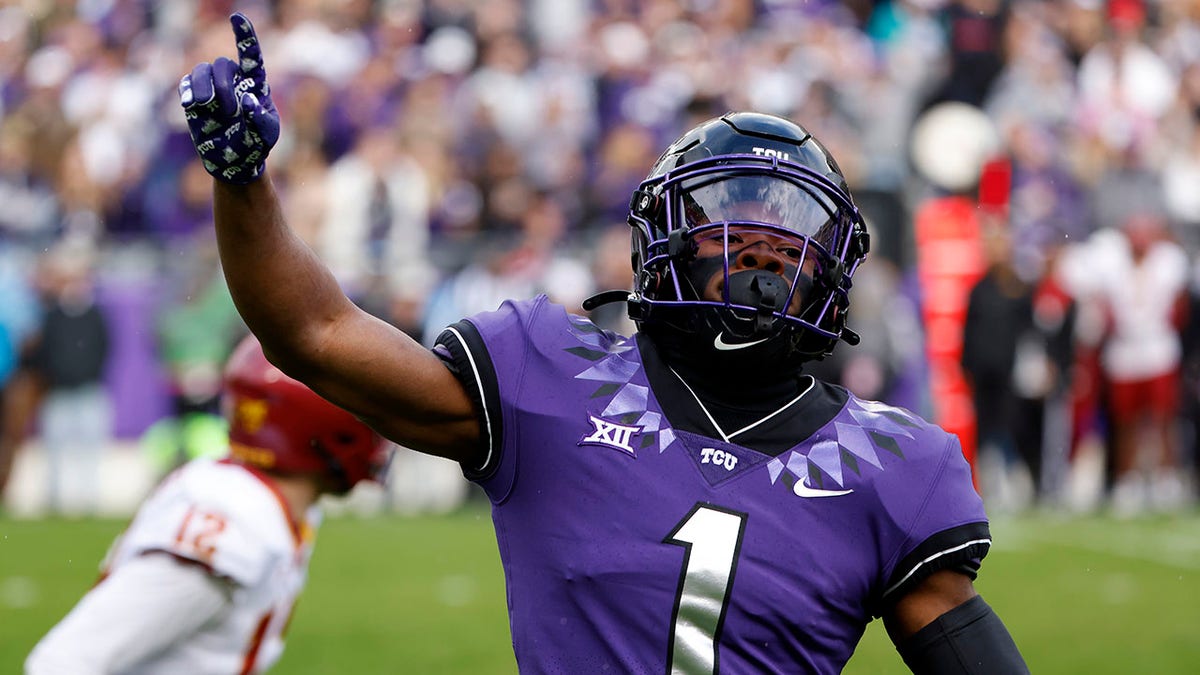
{"x": 933, "y": 557}
{"x": 487, "y": 420}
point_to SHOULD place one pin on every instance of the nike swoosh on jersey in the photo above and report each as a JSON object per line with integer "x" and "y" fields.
{"x": 803, "y": 490}
{"x": 724, "y": 346}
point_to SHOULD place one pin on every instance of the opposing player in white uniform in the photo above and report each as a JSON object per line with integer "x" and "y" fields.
{"x": 205, "y": 578}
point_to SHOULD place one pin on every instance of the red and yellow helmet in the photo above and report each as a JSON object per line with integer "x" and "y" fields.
{"x": 278, "y": 424}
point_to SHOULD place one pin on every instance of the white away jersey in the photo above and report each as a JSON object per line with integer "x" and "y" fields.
{"x": 229, "y": 520}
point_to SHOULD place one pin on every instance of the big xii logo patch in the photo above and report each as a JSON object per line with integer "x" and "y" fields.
{"x": 610, "y": 435}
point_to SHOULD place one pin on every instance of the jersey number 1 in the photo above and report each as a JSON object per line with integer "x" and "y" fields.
{"x": 711, "y": 538}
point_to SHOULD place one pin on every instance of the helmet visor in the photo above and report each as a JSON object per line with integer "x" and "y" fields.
{"x": 761, "y": 199}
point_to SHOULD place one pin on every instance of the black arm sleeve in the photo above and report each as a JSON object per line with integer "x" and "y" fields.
{"x": 968, "y": 640}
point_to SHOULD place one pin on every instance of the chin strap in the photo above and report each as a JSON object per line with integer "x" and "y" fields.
{"x": 761, "y": 290}
{"x": 768, "y": 301}
{"x": 333, "y": 467}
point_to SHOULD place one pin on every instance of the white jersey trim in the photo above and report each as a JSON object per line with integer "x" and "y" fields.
{"x": 933, "y": 557}
{"x": 487, "y": 420}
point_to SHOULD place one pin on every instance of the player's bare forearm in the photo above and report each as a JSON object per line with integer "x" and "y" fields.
{"x": 312, "y": 331}
{"x": 282, "y": 290}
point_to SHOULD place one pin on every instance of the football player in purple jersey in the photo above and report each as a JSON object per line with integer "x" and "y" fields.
{"x": 685, "y": 500}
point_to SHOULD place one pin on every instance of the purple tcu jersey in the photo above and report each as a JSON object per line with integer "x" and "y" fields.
{"x": 632, "y": 545}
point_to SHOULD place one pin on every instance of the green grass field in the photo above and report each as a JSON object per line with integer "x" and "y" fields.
{"x": 425, "y": 595}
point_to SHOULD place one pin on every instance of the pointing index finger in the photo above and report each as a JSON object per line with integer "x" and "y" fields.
{"x": 248, "y": 50}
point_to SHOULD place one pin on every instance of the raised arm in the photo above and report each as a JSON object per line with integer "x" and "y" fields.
{"x": 289, "y": 300}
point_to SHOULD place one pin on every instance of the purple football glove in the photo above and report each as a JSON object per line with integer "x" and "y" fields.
{"x": 229, "y": 112}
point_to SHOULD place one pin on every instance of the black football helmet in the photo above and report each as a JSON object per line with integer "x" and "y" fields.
{"x": 735, "y": 179}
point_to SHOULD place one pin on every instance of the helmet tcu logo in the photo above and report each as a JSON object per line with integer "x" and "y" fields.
{"x": 768, "y": 152}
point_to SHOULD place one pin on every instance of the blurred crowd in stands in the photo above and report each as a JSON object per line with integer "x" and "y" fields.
{"x": 442, "y": 155}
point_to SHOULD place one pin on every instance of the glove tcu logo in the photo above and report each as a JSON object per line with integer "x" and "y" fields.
{"x": 229, "y": 113}
{"x": 244, "y": 85}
